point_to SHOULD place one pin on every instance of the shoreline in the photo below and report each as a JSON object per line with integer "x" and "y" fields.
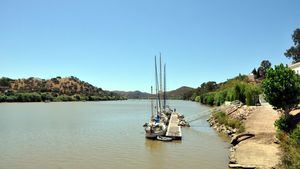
{"x": 257, "y": 147}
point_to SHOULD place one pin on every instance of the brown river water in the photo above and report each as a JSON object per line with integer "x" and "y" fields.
{"x": 102, "y": 135}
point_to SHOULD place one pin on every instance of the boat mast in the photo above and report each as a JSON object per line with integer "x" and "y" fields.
{"x": 151, "y": 102}
{"x": 160, "y": 76}
{"x": 157, "y": 89}
{"x": 165, "y": 87}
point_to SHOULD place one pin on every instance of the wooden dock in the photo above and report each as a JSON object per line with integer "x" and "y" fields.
{"x": 174, "y": 130}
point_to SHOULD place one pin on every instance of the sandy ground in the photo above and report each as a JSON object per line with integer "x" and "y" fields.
{"x": 259, "y": 151}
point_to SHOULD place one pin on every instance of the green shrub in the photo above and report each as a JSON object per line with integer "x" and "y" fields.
{"x": 220, "y": 98}
{"x": 11, "y": 98}
{"x": 197, "y": 99}
{"x": 193, "y": 97}
{"x": 77, "y": 97}
{"x": 47, "y": 97}
{"x": 295, "y": 134}
{"x": 239, "y": 90}
{"x": 3, "y": 98}
{"x": 221, "y": 117}
{"x": 24, "y": 97}
{"x": 236, "y": 124}
{"x": 210, "y": 99}
{"x": 283, "y": 123}
{"x": 230, "y": 96}
{"x": 252, "y": 95}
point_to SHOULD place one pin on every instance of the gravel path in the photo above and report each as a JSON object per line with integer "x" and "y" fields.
{"x": 259, "y": 151}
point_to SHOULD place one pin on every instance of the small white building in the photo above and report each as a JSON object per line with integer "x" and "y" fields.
{"x": 296, "y": 67}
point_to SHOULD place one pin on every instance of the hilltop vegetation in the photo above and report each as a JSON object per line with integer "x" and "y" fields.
{"x": 239, "y": 88}
{"x": 54, "y": 89}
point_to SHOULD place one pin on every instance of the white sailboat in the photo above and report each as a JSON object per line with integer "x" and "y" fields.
{"x": 159, "y": 119}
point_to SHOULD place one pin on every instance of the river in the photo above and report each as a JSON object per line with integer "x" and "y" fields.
{"x": 102, "y": 135}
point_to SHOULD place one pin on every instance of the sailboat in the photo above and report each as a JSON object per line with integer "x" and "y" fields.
{"x": 160, "y": 114}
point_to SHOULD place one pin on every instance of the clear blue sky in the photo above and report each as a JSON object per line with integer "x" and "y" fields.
{"x": 111, "y": 44}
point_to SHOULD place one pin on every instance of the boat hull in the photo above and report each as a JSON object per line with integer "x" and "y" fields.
{"x": 154, "y": 135}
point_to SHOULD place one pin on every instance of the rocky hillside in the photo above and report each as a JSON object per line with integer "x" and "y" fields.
{"x": 68, "y": 86}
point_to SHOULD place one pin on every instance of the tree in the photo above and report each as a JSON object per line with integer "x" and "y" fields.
{"x": 208, "y": 86}
{"x": 282, "y": 88}
{"x": 261, "y": 72}
{"x": 294, "y": 51}
{"x": 264, "y": 66}
{"x": 255, "y": 73}
{"x": 4, "y": 81}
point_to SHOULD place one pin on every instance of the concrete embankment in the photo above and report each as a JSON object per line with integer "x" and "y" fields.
{"x": 258, "y": 149}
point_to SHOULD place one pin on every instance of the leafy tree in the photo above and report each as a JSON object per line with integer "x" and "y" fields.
{"x": 4, "y": 81}
{"x": 261, "y": 72}
{"x": 282, "y": 88}
{"x": 255, "y": 73}
{"x": 207, "y": 87}
{"x": 46, "y": 97}
{"x": 294, "y": 51}
{"x": 264, "y": 66}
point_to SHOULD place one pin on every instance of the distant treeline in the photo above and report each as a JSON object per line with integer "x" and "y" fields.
{"x": 43, "y": 97}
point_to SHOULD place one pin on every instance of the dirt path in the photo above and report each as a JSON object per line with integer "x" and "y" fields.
{"x": 259, "y": 151}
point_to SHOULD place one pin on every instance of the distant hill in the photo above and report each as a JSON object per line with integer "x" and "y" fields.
{"x": 179, "y": 93}
{"x": 56, "y": 89}
{"x": 174, "y": 94}
{"x": 134, "y": 94}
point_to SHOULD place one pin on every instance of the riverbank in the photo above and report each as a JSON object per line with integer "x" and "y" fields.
{"x": 257, "y": 147}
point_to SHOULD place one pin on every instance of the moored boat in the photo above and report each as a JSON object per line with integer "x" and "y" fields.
{"x": 159, "y": 119}
{"x": 162, "y": 138}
